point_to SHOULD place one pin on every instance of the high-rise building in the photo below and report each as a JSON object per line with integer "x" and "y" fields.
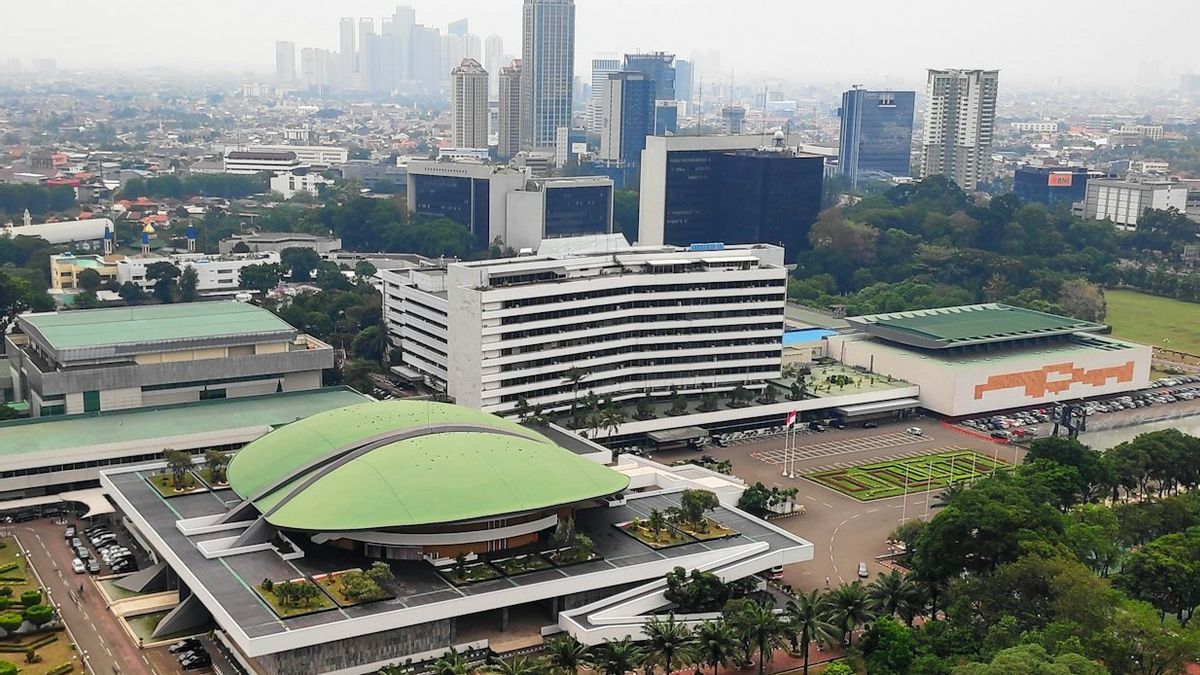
{"x": 403, "y": 21}
{"x": 426, "y": 63}
{"x": 1052, "y": 185}
{"x": 547, "y": 70}
{"x": 732, "y": 119}
{"x": 684, "y": 84}
{"x": 367, "y": 62}
{"x": 285, "y": 62}
{"x": 509, "y": 128}
{"x": 602, "y": 65}
{"x": 876, "y": 133}
{"x": 493, "y": 60}
{"x": 960, "y": 116}
{"x": 346, "y": 53}
{"x": 317, "y": 67}
{"x": 472, "y": 47}
{"x": 469, "y": 98}
{"x": 659, "y": 67}
{"x": 628, "y": 113}
{"x": 458, "y": 28}
{"x": 453, "y": 53}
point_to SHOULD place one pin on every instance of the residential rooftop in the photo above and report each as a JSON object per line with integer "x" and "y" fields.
{"x": 966, "y": 325}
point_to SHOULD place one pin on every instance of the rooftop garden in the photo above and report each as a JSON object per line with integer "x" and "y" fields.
{"x": 829, "y": 378}
{"x": 176, "y": 479}
{"x": 678, "y": 525}
{"x": 213, "y": 473}
{"x": 292, "y": 598}
{"x": 565, "y": 547}
{"x": 356, "y": 587}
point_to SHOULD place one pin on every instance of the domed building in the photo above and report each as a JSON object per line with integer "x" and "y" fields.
{"x": 404, "y": 480}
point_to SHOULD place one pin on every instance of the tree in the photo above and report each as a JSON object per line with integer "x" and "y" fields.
{"x": 89, "y": 280}
{"x": 39, "y": 615}
{"x": 807, "y": 622}
{"x": 31, "y": 598}
{"x": 695, "y": 503}
{"x": 895, "y": 595}
{"x": 518, "y": 665}
{"x": 761, "y": 627}
{"x": 889, "y": 647}
{"x": 656, "y": 522}
{"x": 1083, "y": 300}
{"x": 1166, "y": 573}
{"x": 1142, "y": 644}
{"x": 452, "y": 663}
{"x": 381, "y": 573}
{"x": 163, "y": 274}
{"x": 217, "y": 461}
{"x": 667, "y": 641}
{"x": 130, "y": 292}
{"x": 1032, "y": 659}
{"x": 188, "y": 280}
{"x": 241, "y": 247}
{"x": 574, "y": 376}
{"x": 261, "y": 278}
{"x": 178, "y": 464}
{"x": 715, "y": 643}
{"x": 625, "y": 213}
{"x": 566, "y": 654}
{"x": 11, "y": 621}
{"x": 364, "y": 270}
{"x": 849, "y": 608}
{"x": 300, "y": 262}
{"x": 616, "y": 657}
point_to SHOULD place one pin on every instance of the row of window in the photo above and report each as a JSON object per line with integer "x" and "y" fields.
{"x": 750, "y": 371}
{"x": 642, "y": 349}
{"x": 674, "y": 333}
{"x": 612, "y": 373}
{"x": 665, "y": 302}
{"x": 111, "y": 461}
{"x": 630, "y": 290}
{"x": 740, "y": 314}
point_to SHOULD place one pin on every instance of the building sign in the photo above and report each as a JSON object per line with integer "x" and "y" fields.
{"x": 1061, "y": 178}
{"x": 1055, "y": 379}
{"x": 579, "y": 148}
{"x": 713, "y": 246}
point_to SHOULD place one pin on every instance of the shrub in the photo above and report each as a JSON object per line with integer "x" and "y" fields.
{"x": 10, "y": 622}
{"x": 31, "y": 656}
{"x": 7, "y": 668}
{"x": 62, "y": 670}
{"x": 39, "y": 615}
{"x": 31, "y": 598}
{"x": 267, "y": 585}
{"x": 6, "y": 591}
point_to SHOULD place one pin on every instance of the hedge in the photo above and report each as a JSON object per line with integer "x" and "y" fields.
{"x": 61, "y": 670}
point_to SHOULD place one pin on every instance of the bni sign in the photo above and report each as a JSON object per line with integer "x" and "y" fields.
{"x": 711, "y": 246}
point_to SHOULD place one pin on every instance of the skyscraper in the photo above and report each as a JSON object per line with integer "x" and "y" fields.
{"x": 285, "y": 62}
{"x": 684, "y": 83}
{"x": 509, "y": 81}
{"x": 547, "y": 70}
{"x": 346, "y": 54}
{"x": 659, "y": 67}
{"x": 876, "y": 133}
{"x": 602, "y": 65}
{"x": 403, "y": 20}
{"x": 458, "y": 27}
{"x": 960, "y": 116}
{"x": 453, "y": 53}
{"x": 470, "y": 98}
{"x": 628, "y": 112}
{"x": 367, "y": 62}
{"x": 426, "y": 57}
{"x": 493, "y": 60}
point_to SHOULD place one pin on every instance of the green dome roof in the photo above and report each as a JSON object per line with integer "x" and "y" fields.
{"x": 404, "y": 463}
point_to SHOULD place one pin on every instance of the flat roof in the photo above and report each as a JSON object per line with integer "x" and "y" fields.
{"x": 48, "y": 434}
{"x": 946, "y": 327}
{"x": 151, "y": 323}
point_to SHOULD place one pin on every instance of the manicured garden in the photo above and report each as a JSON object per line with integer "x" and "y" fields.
{"x": 890, "y": 478}
{"x": 295, "y": 597}
{"x": 356, "y": 587}
{"x": 566, "y": 547}
{"x": 13, "y": 571}
{"x": 33, "y": 640}
{"x": 679, "y": 525}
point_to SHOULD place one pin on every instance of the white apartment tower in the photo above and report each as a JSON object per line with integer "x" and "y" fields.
{"x": 602, "y": 66}
{"x": 960, "y": 116}
{"x": 635, "y": 321}
{"x": 470, "y": 100}
{"x": 509, "y": 91}
{"x": 285, "y": 62}
{"x": 493, "y": 60}
{"x": 547, "y": 70}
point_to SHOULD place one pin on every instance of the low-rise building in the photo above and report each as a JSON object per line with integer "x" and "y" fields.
{"x": 255, "y": 161}
{"x": 213, "y": 272}
{"x": 130, "y": 357}
{"x": 301, "y": 180}
{"x": 88, "y": 232}
{"x": 65, "y": 269}
{"x": 1124, "y": 201}
{"x": 278, "y": 241}
{"x": 323, "y": 156}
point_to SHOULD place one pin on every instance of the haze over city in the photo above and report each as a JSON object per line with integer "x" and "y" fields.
{"x": 882, "y": 42}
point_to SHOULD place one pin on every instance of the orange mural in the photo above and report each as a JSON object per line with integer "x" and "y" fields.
{"x": 1038, "y": 383}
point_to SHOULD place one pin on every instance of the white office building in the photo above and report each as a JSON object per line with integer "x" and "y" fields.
{"x": 322, "y": 156}
{"x": 960, "y": 118}
{"x": 602, "y": 66}
{"x": 257, "y": 161}
{"x": 292, "y": 182}
{"x": 1123, "y": 202}
{"x": 213, "y": 272}
{"x": 632, "y": 320}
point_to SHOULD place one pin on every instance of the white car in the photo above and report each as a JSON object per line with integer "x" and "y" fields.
{"x": 914, "y": 431}
{"x": 862, "y": 570}
{"x": 78, "y": 566}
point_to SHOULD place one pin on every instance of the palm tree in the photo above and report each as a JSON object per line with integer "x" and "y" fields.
{"x": 617, "y": 657}
{"x": 518, "y": 665}
{"x": 611, "y": 418}
{"x": 895, "y": 594}
{"x": 452, "y": 663}
{"x": 715, "y": 643}
{"x": 574, "y": 376}
{"x": 763, "y": 627}
{"x": 656, "y": 522}
{"x": 566, "y": 654}
{"x": 807, "y": 618}
{"x": 850, "y": 608}
{"x": 667, "y": 640}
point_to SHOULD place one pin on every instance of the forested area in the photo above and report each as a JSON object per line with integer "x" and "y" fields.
{"x": 926, "y": 244}
{"x": 15, "y": 198}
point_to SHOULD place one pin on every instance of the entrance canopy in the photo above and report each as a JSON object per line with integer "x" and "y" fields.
{"x": 95, "y": 501}
{"x": 680, "y": 435}
{"x": 877, "y": 408}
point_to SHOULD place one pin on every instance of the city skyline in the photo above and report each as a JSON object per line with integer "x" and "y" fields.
{"x": 891, "y": 50}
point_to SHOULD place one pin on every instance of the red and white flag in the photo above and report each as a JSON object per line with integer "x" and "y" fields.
{"x": 791, "y": 418}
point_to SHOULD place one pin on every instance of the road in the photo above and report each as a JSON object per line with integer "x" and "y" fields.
{"x": 843, "y": 530}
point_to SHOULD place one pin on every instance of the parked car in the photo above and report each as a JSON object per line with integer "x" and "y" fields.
{"x": 70, "y": 533}
{"x": 197, "y": 662}
{"x": 185, "y": 645}
{"x": 78, "y": 566}
{"x": 870, "y": 425}
{"x": 862, "y": 570}
{"x": 93, "y": 566}
{"x": 775, "y": 573}
{"x": 914, "y": 431}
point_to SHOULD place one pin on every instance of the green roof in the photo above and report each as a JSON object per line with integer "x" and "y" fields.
{"x": 969, "y": 324}
{"x": 148, "y": 323}
{"x": 320, "y": 474}
{"x": 48, "y": 434}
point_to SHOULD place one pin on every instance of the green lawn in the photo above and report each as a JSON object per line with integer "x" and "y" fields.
{"x": 318, "y": 604}
{"x": 18, "y": 577}
{"x": 665, "y": 538}
{"x": 1163, "y": 322}
{"x": 888, "y": 479}
{"x": 164, "y": 483}
{"x": 471, "y": 574}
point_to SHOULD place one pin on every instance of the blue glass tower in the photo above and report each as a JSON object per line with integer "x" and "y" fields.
{"x": 876, "y": 134}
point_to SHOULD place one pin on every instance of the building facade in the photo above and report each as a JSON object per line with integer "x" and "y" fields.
{"x": 602, "y": 66}
{"x": 472, "y": 194}
{"x": 627, "y": 116}
{"x": 509, "y": 128}
{"x": 277, "y": 241}
{"x": 130, "y": 357}
{"x": 261, "y": 161}
{"x": 213, "y": 272}
{"x": 285, "y": 62}
{"x": 960, "y": 118}
{"x": 659, "y": 68}
{"x": 876, "y": 137}
{"x": 292, "y": 182}
{"x": 498, "y": 332}
{"x": 547, "y": 70}
{"x": 321, "y": 156}
{"x": 469, "y": 83}
{"x": 550, "y": 208}
{"x": 1123, "y": 202}
{"x": 1051, "y": 185}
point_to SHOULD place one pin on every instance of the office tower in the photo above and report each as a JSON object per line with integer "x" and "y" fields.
{"x": 472, "y": 47}
{"x": 509, "y": 128}
{"x": 659, "y": 67}
{"x": 602, "y": 66}
{"x": 960, "y": 116}
{"x": 346, "y": 53}
{"x": 285, "y": 62}
{"x": 666, "y": 117}
{"x": 732, "y": 119}
{"x": 683, "y": 81}
{"x": 366, "y": 60}
{"x": 697, "y": 189}
{"x": 628, "y": 112}
{"x": 426, "y": 65}
{"x": 453, "y": 53}
{"x": 315, "y": 67}
{"x": 470, "y": 84}
{"x": 876, "y": 133}
{"x": 403, "y": 20}
{"x": 547, "y": 70}
{"x": 1052, "y": 185}
{"x": 458, "y": 28}
{"x": 493, "y": 60}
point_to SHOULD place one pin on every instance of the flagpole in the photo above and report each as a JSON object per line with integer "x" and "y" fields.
{"x": 792, "y": 471}
{"x": 928, "y": 486}
{"x": 904, "y": 509}
{"x": 787, "y": 430}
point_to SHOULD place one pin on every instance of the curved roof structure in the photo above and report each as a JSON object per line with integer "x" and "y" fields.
{"x": 395, "y": 464}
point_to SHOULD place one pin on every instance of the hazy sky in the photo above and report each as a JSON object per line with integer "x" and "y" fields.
{"x": 874, "y": 42}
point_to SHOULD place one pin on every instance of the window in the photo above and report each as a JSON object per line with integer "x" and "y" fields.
{"x": 91, "y": 401}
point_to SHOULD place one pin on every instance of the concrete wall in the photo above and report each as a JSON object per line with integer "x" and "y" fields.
{"x": 397, "y": 644}
{"x": 526, "y": 219}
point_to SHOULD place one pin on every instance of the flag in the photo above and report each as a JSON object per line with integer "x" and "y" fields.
{"x": 791, "y": 418}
